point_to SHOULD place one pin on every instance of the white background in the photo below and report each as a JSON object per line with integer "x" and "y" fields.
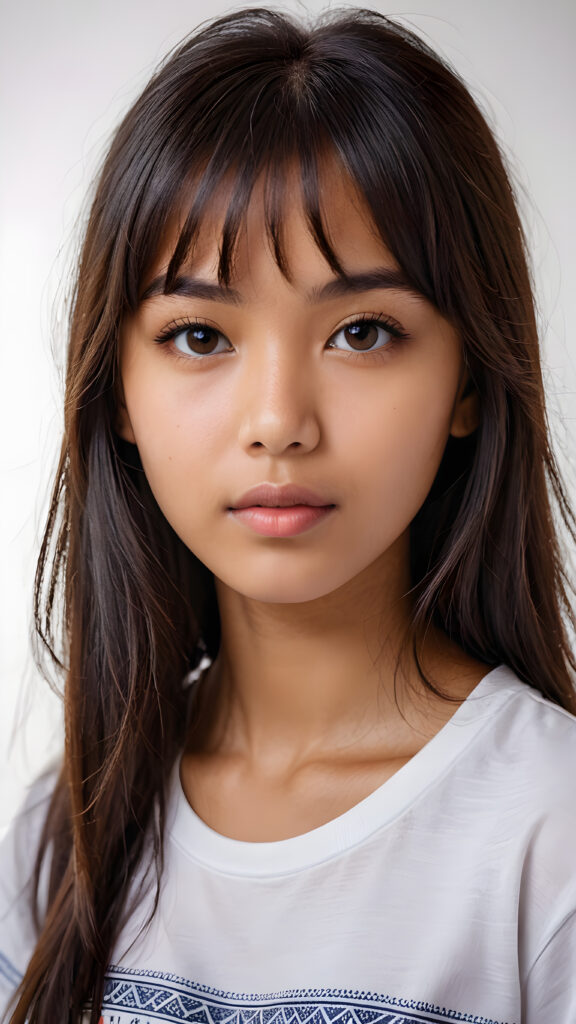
{"x": 69, "y": 69}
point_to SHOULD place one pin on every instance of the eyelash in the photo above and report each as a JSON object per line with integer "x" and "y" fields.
{"x": 397, "y": 332}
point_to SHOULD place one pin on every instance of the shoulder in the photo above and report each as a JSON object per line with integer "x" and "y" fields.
{"x": 533, "y": 754}
{"x": 18, "y": 850}
{"x": 529, "y": 751}
{"x": 539, "y": 739}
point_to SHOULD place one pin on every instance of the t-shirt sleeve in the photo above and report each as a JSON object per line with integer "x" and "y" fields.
{"x": 17, "y": 859}
{"x": 550, "y": 988}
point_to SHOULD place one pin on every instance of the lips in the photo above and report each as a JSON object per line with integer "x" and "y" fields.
{"x": 284, "y": 496}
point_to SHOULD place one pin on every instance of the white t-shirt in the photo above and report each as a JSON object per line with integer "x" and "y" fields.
{"x": 449, "y": 893}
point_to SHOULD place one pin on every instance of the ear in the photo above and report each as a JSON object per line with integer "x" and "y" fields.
{"x": 466, "y": 415}
{"x": 122, "y": 423}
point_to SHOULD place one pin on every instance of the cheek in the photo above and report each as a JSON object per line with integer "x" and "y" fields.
{"x": 396, "y": 438}
{"x": 176, "y": 429}
{"x": 177, "y": 434}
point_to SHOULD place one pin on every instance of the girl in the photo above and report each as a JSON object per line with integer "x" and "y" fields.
{"x": 320, "y": 714}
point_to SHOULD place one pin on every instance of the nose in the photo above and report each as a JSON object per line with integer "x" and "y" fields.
{"x": 279, "y": 401}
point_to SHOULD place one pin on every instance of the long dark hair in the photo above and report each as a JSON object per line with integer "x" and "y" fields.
{"x": 247, "y": 97}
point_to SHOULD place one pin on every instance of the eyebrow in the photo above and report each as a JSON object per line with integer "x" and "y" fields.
{"x": 195, "y": 288}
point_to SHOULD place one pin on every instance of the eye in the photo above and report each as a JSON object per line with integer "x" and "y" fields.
{"x": 198, "y": 340}
{"x": 366, "y": 334}
{"x": 193, "y": 338}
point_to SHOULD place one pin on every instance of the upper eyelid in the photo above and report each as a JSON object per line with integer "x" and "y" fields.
{"x": 181, "y": 323}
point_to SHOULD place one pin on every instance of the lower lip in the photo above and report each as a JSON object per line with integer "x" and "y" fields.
{"x": 281, "y": 522}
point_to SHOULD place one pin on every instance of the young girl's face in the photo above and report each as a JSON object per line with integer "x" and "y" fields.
{"x": 349, "y": 390}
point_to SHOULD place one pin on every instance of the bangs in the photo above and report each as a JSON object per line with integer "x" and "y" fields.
{"x": 283, "y": 187}
{"x": 277, "y": 123}
{"x": 255, "y": 98}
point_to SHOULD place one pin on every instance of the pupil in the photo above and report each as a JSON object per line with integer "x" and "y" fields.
{"x": 201, "y": 338}
{"x": 366, "y": 334}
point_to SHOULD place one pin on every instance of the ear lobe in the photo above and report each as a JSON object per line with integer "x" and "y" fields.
{"x": 466, "y": 416}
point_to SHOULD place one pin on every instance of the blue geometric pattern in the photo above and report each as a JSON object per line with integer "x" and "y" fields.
{"x": 141, "y": 997}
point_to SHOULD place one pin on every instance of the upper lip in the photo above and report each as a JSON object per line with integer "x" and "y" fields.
{"x": 280, "y": 496}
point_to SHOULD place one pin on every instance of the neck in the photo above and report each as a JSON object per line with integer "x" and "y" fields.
{"x": 295, "y": 682}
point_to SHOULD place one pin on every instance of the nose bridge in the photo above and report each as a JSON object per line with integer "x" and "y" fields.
{"x": 279, "y": 408}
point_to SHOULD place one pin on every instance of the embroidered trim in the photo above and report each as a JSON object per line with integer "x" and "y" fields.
{"x": 153, "y": 995}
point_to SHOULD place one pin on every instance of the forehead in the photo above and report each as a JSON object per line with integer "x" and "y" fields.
{"x": 345, "y": 219}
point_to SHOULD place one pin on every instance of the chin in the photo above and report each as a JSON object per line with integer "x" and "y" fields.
{"x": 281, "y": 588}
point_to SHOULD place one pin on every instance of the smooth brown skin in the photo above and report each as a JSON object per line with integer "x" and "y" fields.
{"x": 305, "y": 723}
